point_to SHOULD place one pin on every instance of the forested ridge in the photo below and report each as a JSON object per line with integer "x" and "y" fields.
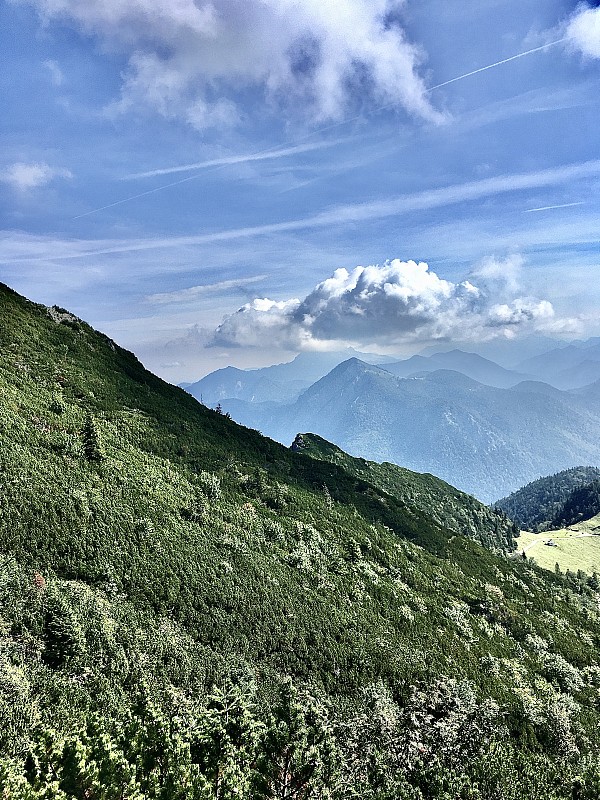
{"x": 189, "y": 610}
{"x": 538, "y": 505}
{"x": 581, "y": 504}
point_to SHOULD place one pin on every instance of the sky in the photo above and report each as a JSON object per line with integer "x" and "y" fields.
{"x": 232, "y": 182}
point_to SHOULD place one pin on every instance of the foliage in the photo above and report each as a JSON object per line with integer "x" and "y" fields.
{"x": 201, "y": 613}
{"x": 454, "y": 510}
{"x": 536, "y": 506}
{"x": 581, "y": 504}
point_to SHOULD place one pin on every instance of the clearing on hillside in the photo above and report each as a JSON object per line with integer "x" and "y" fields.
{"x": 575, "y": 547}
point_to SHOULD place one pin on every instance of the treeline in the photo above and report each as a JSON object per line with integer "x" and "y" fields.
{"x": 581, "y": 504}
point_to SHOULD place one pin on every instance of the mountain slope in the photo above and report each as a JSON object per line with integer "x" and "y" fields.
{"x": 535, "y": 506}
{"x": 454, "y": 510}
{"x": 479, "y": 438}
{"x": 189, "y": 610}
{"x": 582, "y": 504}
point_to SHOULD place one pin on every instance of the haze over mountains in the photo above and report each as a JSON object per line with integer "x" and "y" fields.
{"x": 483, "y": 427}
{"x": 280, "y": 382}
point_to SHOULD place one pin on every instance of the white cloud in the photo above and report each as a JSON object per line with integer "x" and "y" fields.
{"x": 396, "y": 303}
{"x": 188, "y": 58}
{"x": 583, "y": 31}
{"x": 263, "y": 155}
{"x": 379, "y": 209}
{"x": 56, "y": 74}
{"x": 22, "y": 176}
{"x": 193, "y": 292}
{"x": 500, "y": 276}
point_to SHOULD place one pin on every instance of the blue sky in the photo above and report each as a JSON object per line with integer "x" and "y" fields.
{"x": 201, "y": 181}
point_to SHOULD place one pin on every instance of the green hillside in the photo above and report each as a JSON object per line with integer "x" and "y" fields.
{"x": 576, "y": 548}
{"x": 189, "y": 610}
{"x": 583, "y": 503}
{"x": 452, "y": 509}
{"x": 535, "y": 506}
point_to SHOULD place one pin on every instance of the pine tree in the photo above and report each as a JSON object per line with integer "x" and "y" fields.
{"x": 91, "y": 440}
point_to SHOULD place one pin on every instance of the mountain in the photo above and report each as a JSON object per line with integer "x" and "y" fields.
{"x": 190, "y": 610}
{"x": 470, "y": 364}
{"x": 507, "y": 352}
{"x": 580, "y": 375}
{"x": 568, "y": 367}
{"x": 481, "y": 439}
{"x": 253, "y": 386}
{"x": 281, "y": 383}
{"x": 536, "y": 506}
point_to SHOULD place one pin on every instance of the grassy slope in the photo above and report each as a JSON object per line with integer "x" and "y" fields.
{"x": 573, "y": 551}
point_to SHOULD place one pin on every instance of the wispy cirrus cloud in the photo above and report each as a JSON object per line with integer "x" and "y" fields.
{"x": 396, "y": 206}
{"x": 33, "y": 249}
{"x": 270, "y": 154}
{"x": 194, "y": 292}
{"x": 56, "y": 74}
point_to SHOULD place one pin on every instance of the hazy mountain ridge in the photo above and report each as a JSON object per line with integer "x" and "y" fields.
{"x": 471, "y": 434}
{"x": 469, "y": 364}
{"x": 568, "y": 367}
{"x": 479, "y": 438}
{"x": 278, "y": 383}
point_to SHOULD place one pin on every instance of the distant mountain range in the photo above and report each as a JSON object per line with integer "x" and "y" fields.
{"x": 483, "y": 427}
{"x": 281, "y": 383}
{"x": 469, "y": 364}
{"x": 569, "y": 367}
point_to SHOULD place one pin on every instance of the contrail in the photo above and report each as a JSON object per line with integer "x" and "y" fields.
{"x": 550, "y": 208}
{"x": 498, "y": 63}
{"x": 273, "y": 151}
{"x": 216, "y": 164}
{"x": 228, "y": 160}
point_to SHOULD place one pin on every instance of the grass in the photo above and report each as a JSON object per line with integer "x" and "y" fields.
{"x": 577, "y": 547}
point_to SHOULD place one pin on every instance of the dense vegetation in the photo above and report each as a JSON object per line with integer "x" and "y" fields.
{"x": 188, "y": 610}
{"x": 454, "y": 510}
{"x": 581, "y": 504}
{"x": 536, "y": 506}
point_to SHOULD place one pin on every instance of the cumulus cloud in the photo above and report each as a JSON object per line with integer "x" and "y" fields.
{"x": 499, "y": 276}
{"x": 583, "y": 31}
{"x": 23, "y": 177}
{"x": 397, "y": 303}
{"x": 188, "y": 58}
